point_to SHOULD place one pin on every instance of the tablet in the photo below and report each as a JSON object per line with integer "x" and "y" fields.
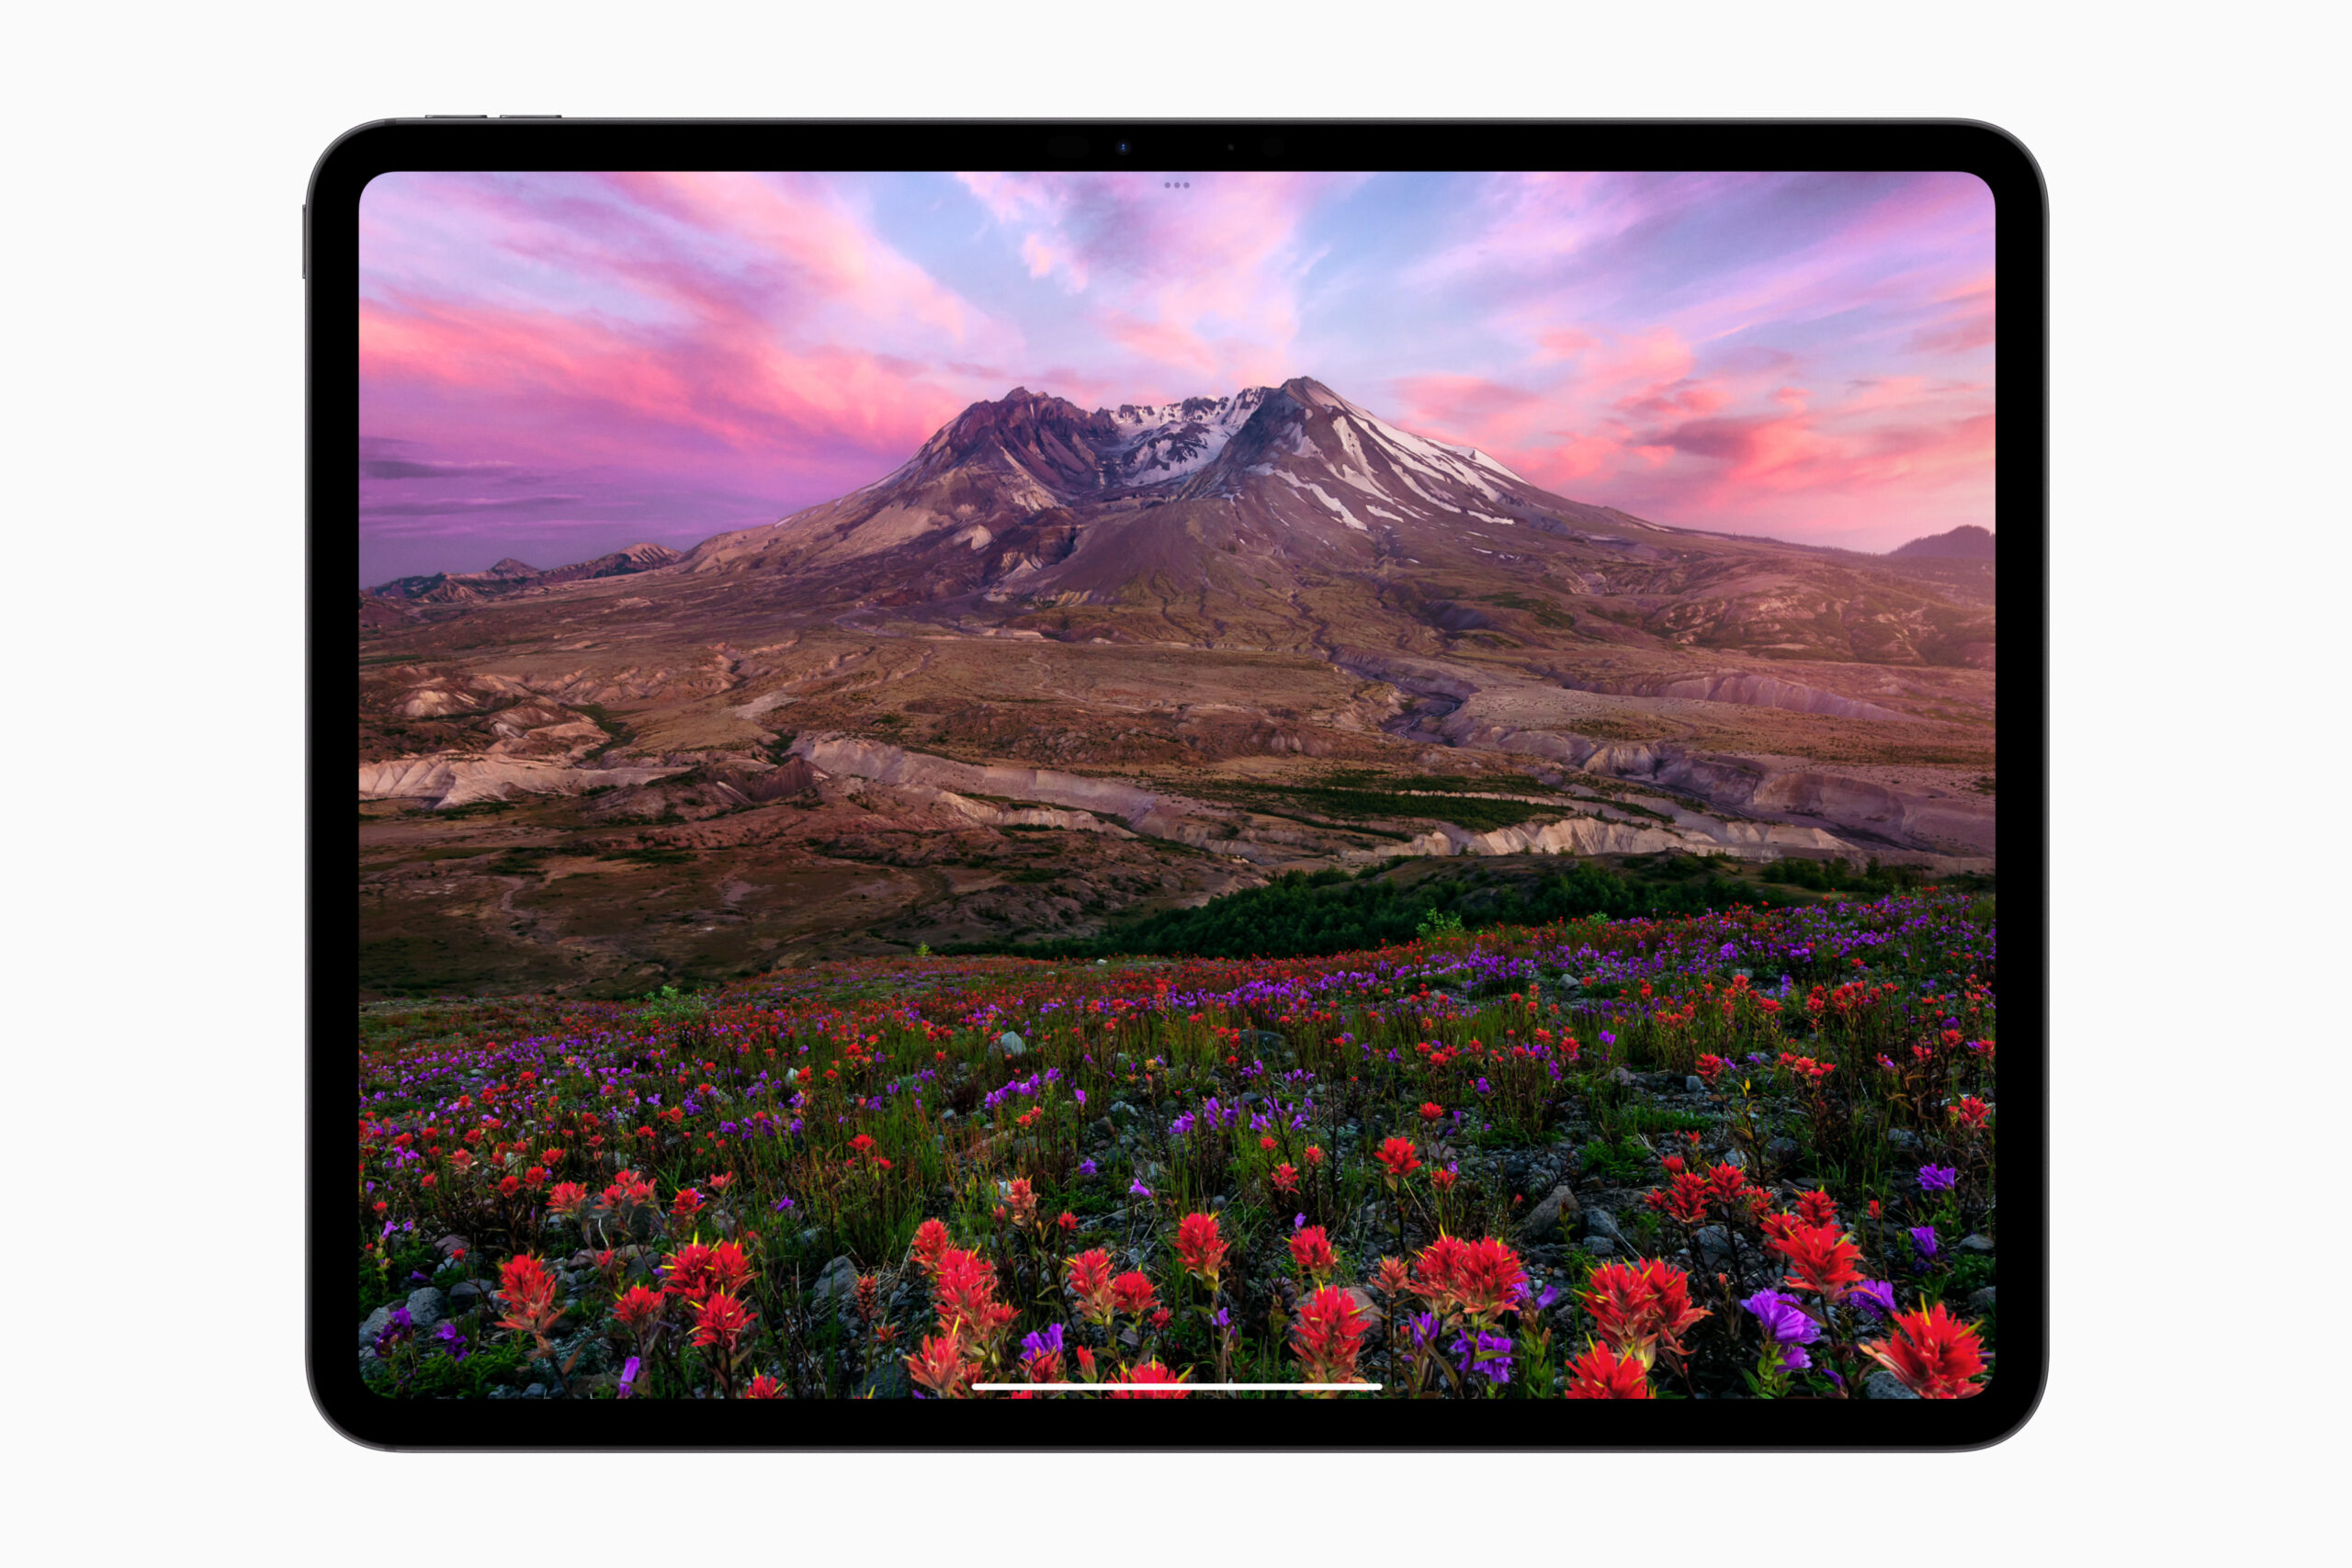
{"x": 1152, "y": 770}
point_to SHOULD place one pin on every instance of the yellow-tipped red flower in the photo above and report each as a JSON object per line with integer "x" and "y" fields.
{"x": 1601, "y": 1374}
{"x": 1932, "y": 1353}
{"x": 1639, "y": 1309}
{"x": 1200, "y": 1247}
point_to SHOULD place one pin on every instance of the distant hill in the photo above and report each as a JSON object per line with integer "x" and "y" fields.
{"x": 1968, "y": 542}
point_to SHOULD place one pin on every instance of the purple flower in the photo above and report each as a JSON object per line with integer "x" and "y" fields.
{"x": 1181, "y": 1125}
{"x": 1938, "y": 1177}
{"x": 1138, "y": 1189}
{"x": 1080, "y": 1095}
{"x": 1086, "y": 1167}
{"x": 1874, "y": 1296}
{"x": 452, "y": 1342}
{"x": 628, "y": 1377}
{"x": 1046, "y": 1342}
{"x": 1923, "y": 1239}
{"x": 395, "y": 1332}
{"x": 1544, "y": 1302}
{"x": 1489, "y": 1357}
{"x": 1786, "y": 1326}
{"x": 781, "y": 1204}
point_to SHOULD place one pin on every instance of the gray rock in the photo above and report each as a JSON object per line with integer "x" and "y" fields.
{"x": 1782, "y": 1149}
{"x": 428, "y": 1307}
{"x": 1623, "y": 1077}
{"x": 1883, "y": 1385}
{"x": 1263, "y": 1040}
{"x": 1600, "y": 1246}
{"x": 1737, "y": 1159}
{"x": 1602, "y": 1224}
{"x": 1902, "y": 1137}
{"x": 1102, "y": 1128}
{"x": 837, "y": 1282}
{"x": 535, "y": 1390}
{"x": 466, "y": 1295}
{"x": 1976, "y": 1244}
{"x": 1714, "y": 1243}
{"x": 373, "y": 1326}
{"x": 1558, "y": 1208}
{"x": 1982, "y": 1301}
{"x": 1011, "y": 1044}
{"x": 1695, "y": 1084}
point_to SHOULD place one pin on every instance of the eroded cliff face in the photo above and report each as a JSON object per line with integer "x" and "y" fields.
{"x": 1921, "y": 812}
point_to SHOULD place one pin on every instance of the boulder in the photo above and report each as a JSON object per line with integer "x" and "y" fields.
{"x": 1558, "y": 1208}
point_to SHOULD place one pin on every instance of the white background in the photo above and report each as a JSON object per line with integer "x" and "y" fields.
{"x": 156, "y": 162}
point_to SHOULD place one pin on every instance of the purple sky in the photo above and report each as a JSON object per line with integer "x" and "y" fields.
{"x": 554, "y": 365}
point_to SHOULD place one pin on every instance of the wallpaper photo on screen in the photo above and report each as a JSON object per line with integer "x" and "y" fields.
{"x": 1186, "y": 786}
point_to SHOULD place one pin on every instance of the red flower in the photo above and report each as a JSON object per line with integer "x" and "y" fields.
{"x": 1267, "y": 1145}
{"x": 568, "y": 1198}
{"x": 1600, "y": 1373}
{"x": 1310, "y": 1251}
{"x": 722, "y": 1321}
{"x": 1285, "y": 1178}
{"x": 1971, "y": 1113}
{"x": 1640, "y": 1310}
{"x": 1932, "y": 1353}
{"x": 1200, "y": 1247}
{"x": 930, "y": 1240}
{"x": 1686, "y": 1202}
{"x": 860, "y": 1143}
{"x": 1817, "y": 1207}
{"x": 941, "y": 1366}
{"x": 1391, "y": 1276}
{"x": 1482, "y": 1279}
{"x": 764, "y": 1387}
{"x": 1724, "y": 1182}
{"x": 1069, "y": 1222}
{"x": 1820, "y": 1260}
{"x": 685, "y": 1203}
{"x": 639, "y": 1309}
{"x": 1709, "y": 1068}
{"x": 964, "y": 1290}
{"x": 1328, "y": 1335}
{"x": 529, "y": 1291}
{"x": 1152, "y": 1373}
{"x": 728, "y": 1269}
{"x": 1089, "y": 1275}
{"x": 1313, "y": 1155}
{"x": 1132, "y": 1293}
{"x": 686, "y": 1272}
{"x": 1022, "y": 1199}
{"x": 1431, "y": 1111}
{"x": 1397, "y": 1155}
{"x": 1443, "y": 1180}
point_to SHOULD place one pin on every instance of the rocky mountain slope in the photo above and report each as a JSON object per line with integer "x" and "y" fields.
{"x": 1137, "y": 646}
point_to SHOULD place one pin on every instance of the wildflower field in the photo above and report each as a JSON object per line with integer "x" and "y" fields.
{"x": 1741, "y": 1155}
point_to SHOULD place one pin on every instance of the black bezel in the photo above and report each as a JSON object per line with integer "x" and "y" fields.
{"x": 331, "y": 268}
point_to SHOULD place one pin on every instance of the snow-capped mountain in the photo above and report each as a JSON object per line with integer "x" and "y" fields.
{"x": 1278, "y": 517}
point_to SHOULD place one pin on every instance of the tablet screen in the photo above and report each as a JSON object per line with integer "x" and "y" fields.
{"x": 1206, "y": 785}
